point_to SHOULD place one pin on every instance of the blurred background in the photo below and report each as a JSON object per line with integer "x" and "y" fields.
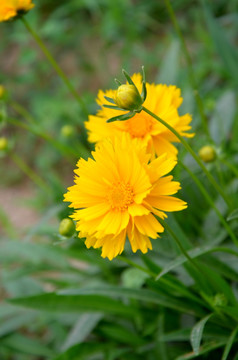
{"x": 92, "y": 41}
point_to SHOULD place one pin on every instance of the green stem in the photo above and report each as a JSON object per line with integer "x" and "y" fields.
{"x": 55, "y": 65}
{"x": 230, "y": 166}
{"x": 29, "y": 172}
{"x": 67, "y": 151}
{"x": 190, "y": 68}
{"x": 211, "y": 203}
{"x": 194, "y": 155}
{"x": 188, "y": 257}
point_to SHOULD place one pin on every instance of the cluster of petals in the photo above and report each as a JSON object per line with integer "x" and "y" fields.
{"x": 162, "y": 100}
{"x": 11, "y": 8}
{"x": 120, "y": 192}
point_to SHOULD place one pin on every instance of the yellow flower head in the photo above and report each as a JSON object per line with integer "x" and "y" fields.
{"x": 12, "y": 8}
{"x": 162, "y": 100}
{"x": 119, "y": 192}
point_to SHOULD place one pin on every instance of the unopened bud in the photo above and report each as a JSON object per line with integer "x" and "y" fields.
{"x": 3, "y": 144}
{"x": 66, "y": 227}
{"x": 128, "y": 97}
{"x": 207, "y": 153}
{"x": 67, "y": 130}
{"x": 2, "y": 91}
{"x": 219, "y": 300}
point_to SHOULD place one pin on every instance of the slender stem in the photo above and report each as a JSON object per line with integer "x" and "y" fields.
{"x": 29, "y": 172}
{"x": 230, "y": 166}
{"x": 67, "y": 151}
{"x": 184, "y": 252}
{"x": 55, "y": 65}
{"x": 211, "y": 203}
{"x": 194, "y": 155}
{"x": 190, "y": 69}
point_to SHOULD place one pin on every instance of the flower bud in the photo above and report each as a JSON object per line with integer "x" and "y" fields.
{"x": 207, "y": 153}
{"x": 67, "y": 130}
{"x": 66, "y": 227}
{"x": 219, "y": 300}
{"x": 3, "y": 144}
{"x": 128, "y": 97}
{"x": 2, "y": 91}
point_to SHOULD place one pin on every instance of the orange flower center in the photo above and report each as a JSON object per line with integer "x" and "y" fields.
{"x": 120, "y": 196}
{"x": 139, "y": 126}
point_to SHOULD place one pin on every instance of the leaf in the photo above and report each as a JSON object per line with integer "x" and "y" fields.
{"x": 121, "y": 334}
{"x": 82, "y": 328}
{"x": 229, "y": 344}
{"x": 79, "y": 352}
{"x": 109, "y": 99}
{"x": 75, "y": 303}
{"x": 233, "y": 215}
{"x": 114, "y": 107}
{"x": 226, "y": 51}
{"x": 15, "y": 322}
{"x": 128, "y": 78}
{"x": 122, "y": 117}
{"x": 169, "y": 66}
{"x": 223, "y": 117}
{"x": 139, "y": 294}
{"x": 203, "y": 350}
{"x": 196, "y": 334}
{"x": 22, "y": 344}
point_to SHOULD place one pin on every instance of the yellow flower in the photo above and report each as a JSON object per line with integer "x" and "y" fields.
{"x": 119, "y": 192}
{"x": 12, "y": 8}
{"x": 163, "y": 100}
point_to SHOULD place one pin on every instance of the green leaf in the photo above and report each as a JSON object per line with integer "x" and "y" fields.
{"x": 233, "y": 215}
{"x": 22, "y": 344}
{"x": 80, "y": 352}
{"x": 75, "y": 303}
{"x": 206, "y": 348}
{"x": 222, "y": 119}
{"x": 122, "y": 117}
{"x": 226, "y": 51}
{"x": 169, "y": 67}
{"x": 196, "y": 334}
{"x": 109, "y": 99}
{"x": 139, "y": 294}
{"x": 128, "y": 78}
{"x": 112, "y": 107}
{"x": 15, "y": 322}
{"x": 82, "y": 328}
{"x": 229, "y": 344}
{"x": 121, "y": 334}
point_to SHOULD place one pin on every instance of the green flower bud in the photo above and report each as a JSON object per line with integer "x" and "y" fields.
{"x": 128, "y": 97}
{"x": 219, "y": 300}
{"x": 66, "y": 227}
{"x": 2, "y": 91}
{"x": 67, "y": 130}
{"x": 207, "y": 153}
{"x": 3, "y": 144}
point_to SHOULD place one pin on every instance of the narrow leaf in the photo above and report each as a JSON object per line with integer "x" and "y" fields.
{"x": 112, "y": 107}
{"x": 121, "y": 117}
{"x": 128, "y": 78}
{"x": 229, "y": 344}
{"x": 75, "y": 303}
{"x": 196, "y": 334}
{"x": 233, "y": 215}
{"x": 109, "y": 99}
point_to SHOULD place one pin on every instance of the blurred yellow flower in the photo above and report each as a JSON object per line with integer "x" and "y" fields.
{"x": 162, "y": 100}
{"x": 12, "y": 8}
{"x": 119, "y": 192}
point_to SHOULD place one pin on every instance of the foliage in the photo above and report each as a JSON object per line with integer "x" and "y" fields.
{"x": 62, "y": 301}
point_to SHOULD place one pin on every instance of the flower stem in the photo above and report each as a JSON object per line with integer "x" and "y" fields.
{"x": 55, "y": 65}
{"x": 190, "y": 68}
{"x": 194, "y": 155}
{"x": 29, "y": 172}
{"x": 211, "y": 203}
{"x": 184, "y": 252}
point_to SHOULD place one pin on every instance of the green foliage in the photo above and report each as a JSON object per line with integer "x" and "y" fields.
{"x": 61, "y": 301}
